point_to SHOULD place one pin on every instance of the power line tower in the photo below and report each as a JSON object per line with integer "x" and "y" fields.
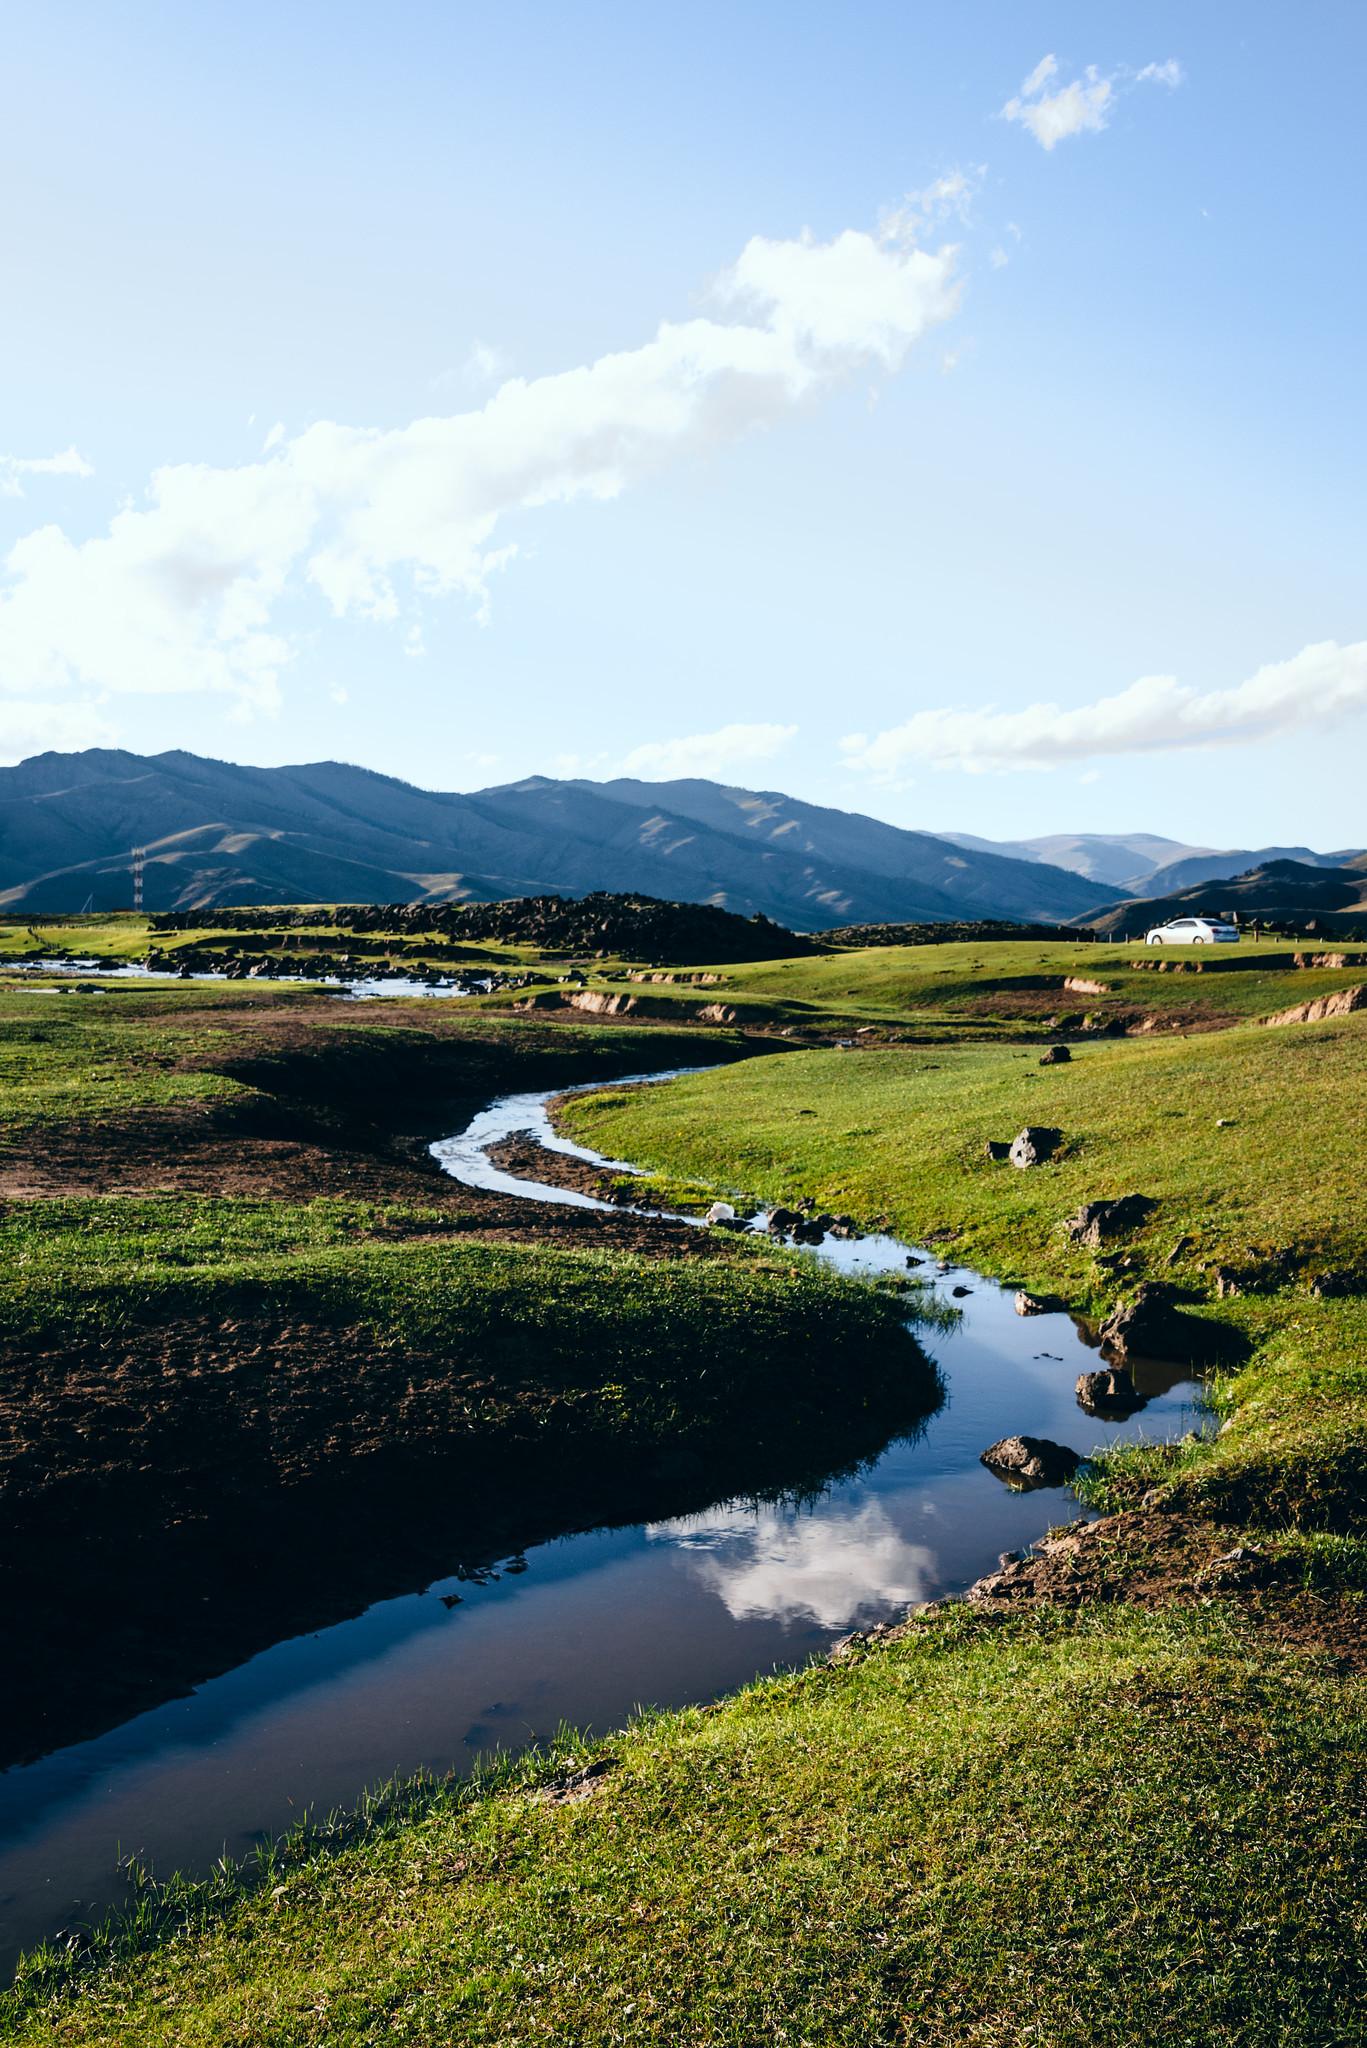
{"x": 139, "y": 856}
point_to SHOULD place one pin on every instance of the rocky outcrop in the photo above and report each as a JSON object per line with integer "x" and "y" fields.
{"x": 1030, "y": 1461}
{"x": 1035, "y": 1145}
{"x": 1055, "y": 1056}
{"x": 1340, "y": 1004}
{"x": 598, "y": 1003}
{"x": 1094, "y": 1222}
{"x": 1084, "y": 985}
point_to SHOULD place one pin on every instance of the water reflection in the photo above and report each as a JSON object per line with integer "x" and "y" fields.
{"x": 673, "y": 1609}
{"x": 776, "y": 1564}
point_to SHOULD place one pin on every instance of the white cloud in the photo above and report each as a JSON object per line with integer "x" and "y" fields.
{"x": 31, "y": 728}
{"x": 482, "y": 366}
{"x": 1169, "y": 73}
{"x": 1318, "y": 687}
{"x": 833, "y": 1570}
{"x": 14, "y": 468}
{"x": 1053, "y": 116}
{"x": 711, "y": 754}
{"x": 1083, "y": 107}
{"x": 181, "y": 591}
{"x": 274, "y": 438}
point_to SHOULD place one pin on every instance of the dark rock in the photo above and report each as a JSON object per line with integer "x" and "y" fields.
{"x": 1330, "y": 1286}
{"x": 1180, "y": 1250}
{"x": 997, "y": 1148}
{"x": 782, "y": 1222}
{"x": 1033, "y": 1146}
{"x": 959, "y": 1292}
{"x": 1096, "y": 1221}
{"x": 1152, "y": 1326}
{"x": 1055, "y": 1056}
{"x": 1028, "y": 1304}
{"x": 1030, "y": 1461}
{"x": 1108, "y": 1390}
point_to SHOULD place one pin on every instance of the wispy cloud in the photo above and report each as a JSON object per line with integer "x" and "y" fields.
{"x": 711, "y": 754}
{"x": 1317, "y": 688}
{"x": 1052, "y": 112}
{"x": 30, "y": 728}
{"x": 182, "y": 591}
{"x": 15, "y": 468}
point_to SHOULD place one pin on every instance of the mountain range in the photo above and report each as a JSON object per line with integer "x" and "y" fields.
{"x": 1329, "y": 895}
{"x": 218, "y": 834}
{"x": 1144, "y": 864}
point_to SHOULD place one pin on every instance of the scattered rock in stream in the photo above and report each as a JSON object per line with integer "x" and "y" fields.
{"x": 1035, "y": 1145}
{"x": 1108, "y": 1391}
{"x": 1028, "y": 1304}
{"x": 1030, "y": 1461}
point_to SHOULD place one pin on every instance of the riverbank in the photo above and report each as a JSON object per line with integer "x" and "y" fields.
{"x": 1051, "y": 1808}
{"x": 984, "y": 1830}
{"x": 1245, "y": 1144}
{"x": 258, "y": 1450}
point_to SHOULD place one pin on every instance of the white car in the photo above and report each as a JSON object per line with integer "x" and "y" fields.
{"x": 1194, "y": 931}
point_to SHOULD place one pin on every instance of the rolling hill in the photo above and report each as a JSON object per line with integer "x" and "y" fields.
{"x": 1281, "y": 892}
{"x": 216, "y": 833}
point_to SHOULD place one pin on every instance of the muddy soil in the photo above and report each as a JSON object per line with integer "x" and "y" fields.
{"x": 176, "y": 1499}
{"x": 1153, "y": 1558}
{"x": 346, "y": 1114}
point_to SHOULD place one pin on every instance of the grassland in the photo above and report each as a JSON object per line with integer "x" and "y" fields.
{"x": 1249, "y": 1141}
{"x": 1108, "y": 1829}
{"x": 1080, "y": 1821}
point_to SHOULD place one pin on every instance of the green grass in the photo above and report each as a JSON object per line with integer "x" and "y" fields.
{"x": 107, "y": 936}
{"x": 79, "y": 1060}
{"x": 87, "y": 1267}
{"x": 83, "y": 1058}
{"x": 985, "y": 989}
{"x": 1249, "y": 1140}
{"x": 1002, "y": 987}
{"x": 1105, "y": 1828}
{"x": 1114, "y": 1829}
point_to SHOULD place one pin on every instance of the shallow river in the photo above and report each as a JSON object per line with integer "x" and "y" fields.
{"x": 583, "y": 1630}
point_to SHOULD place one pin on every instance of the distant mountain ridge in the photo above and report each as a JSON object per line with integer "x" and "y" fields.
{"x": 1287, "y": 892}
{"x": 326, "y": 832}
{"x": 1143, "y": 863}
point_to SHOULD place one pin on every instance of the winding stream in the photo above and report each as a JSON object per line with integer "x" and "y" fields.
{"x": 583, "y": 1629}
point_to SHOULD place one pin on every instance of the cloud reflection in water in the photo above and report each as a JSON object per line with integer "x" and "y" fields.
{"x": 785, "y": 1565}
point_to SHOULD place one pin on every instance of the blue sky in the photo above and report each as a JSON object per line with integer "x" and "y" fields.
{"x": 733, "y": 389}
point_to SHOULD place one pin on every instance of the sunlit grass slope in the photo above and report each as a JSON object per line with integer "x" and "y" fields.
{"x": 1118, "y": 1829}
